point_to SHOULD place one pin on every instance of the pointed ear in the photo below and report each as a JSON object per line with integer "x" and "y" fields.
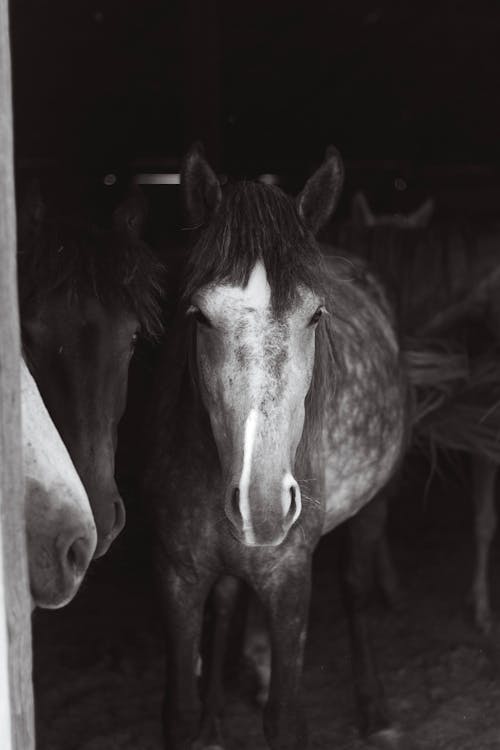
{"x": 201, "y": 190}
{"x": 33, "y": 210}
{"x": 319, "y": 197}
{"x": 421, "y": 218}
{"x": 361, "y": 213}
{"x": 131, "y": 214}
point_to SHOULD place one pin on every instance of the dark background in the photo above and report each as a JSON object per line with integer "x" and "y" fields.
{"x": 409, "y": 92}
{"x": 114, "y": 85}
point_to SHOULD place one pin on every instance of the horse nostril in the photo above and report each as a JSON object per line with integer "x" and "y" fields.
{"x": 119, "y": 521}
{"x": 293, "y": 503}
{"x": 235, "y": 503}
{"x": 78, "y": 556}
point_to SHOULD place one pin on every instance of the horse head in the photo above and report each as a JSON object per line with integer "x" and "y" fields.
{"x": 254, "y": 296}
{"x": 86, "y": 296}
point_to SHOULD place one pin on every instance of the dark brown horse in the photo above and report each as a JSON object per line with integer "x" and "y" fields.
{"x": 282, "y": 413}
{"x": 86, "y": 295}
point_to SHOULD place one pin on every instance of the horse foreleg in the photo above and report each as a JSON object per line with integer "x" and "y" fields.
{"x": 257, "y": 649}
{"x": 363, "y": 534}
{"x": 225, "y": 595}
{"x": 183, "y": 604}
{"x": 483, "y": 489}
{"x": 387, "y": 578}
{"x": 285, "y": 597}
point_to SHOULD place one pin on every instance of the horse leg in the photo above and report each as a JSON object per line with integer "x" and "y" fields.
{"x": 257, "y": 649}
{"x": 183, "y": 604}
{"x": 483, "y": 488}
{"x": 387, "y": 577}
{"x": 225, "y": 596}
{"x": 363, "y": 534}
{"x": 285, "y": 597}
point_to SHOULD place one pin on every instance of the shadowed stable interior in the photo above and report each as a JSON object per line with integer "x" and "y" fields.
{"x": 108, "y": 90}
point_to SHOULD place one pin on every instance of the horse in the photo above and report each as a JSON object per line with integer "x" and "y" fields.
{"x": 363, "y": 216}
{"x": 60, "y": 529}
{"x": 444, "y": 281}
{"x": 86, "y": 295}
{"x": 282, "y": 411}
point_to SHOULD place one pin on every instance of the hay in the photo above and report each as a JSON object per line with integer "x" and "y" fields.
{"x": 456, "y": 398}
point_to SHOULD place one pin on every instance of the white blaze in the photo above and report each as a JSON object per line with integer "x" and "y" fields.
{"x": 257, "y": 292}
{"x": 257, "y": 296}
{"x": 249, "y": 441}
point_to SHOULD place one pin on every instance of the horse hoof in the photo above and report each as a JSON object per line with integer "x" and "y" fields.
{"x": 391, "y": 739}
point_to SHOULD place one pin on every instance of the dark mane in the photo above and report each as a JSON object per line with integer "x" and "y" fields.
{"x": 256, "y": 222}
{"x": 113, "y": 266}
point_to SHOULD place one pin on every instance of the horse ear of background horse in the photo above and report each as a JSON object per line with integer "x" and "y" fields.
{"x": 60, "y": 529}
{"x": 363, "y": 216}
{"x": 130, "y": 216}
{"x": 201, "y": 189}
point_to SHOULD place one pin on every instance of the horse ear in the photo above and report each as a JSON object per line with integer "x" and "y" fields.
{"x": 130, "y": 215}
{"x": 32, "y": 211}
{"x": 319, "y": 197}
{"x": 361, "y": 213}
{"x": 421, "y": 218}
{"x": 200, "y": 186}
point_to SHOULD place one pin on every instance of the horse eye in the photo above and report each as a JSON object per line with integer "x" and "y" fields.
{"x": 134, "y": 340}
{"x": 317, "y": 315}
{"x": 199, "y": 316}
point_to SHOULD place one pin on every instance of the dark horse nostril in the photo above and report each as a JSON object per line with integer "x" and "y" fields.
{"x": 119, "y": 522}
{"x": 235, "y": 503}
{"x": 293, "y": 503}
{"x": 77, "y": 556}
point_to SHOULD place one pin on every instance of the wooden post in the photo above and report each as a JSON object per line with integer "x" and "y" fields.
{"x": 16, "y": 690}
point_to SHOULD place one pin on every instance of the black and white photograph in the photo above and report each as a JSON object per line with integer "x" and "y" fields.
{"x": 249, "y": 375}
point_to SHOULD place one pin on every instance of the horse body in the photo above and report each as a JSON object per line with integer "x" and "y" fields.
{"x": 439, "y": 277}
{"x": 286, "y": 413}
{"x": 85, "y": 296}
{"x": 445, "y": 283}
{"x": 61, "y": 534}
{"x": 364, "y": 427}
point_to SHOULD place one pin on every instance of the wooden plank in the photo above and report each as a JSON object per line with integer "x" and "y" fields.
{"x": 16, "y": 691}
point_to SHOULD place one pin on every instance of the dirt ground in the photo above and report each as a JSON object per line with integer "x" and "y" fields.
{"x": 99, "y": 662}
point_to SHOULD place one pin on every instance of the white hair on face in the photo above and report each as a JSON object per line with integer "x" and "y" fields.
{"x": 248, "y": 445}
{"x": 258, "y": 291}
